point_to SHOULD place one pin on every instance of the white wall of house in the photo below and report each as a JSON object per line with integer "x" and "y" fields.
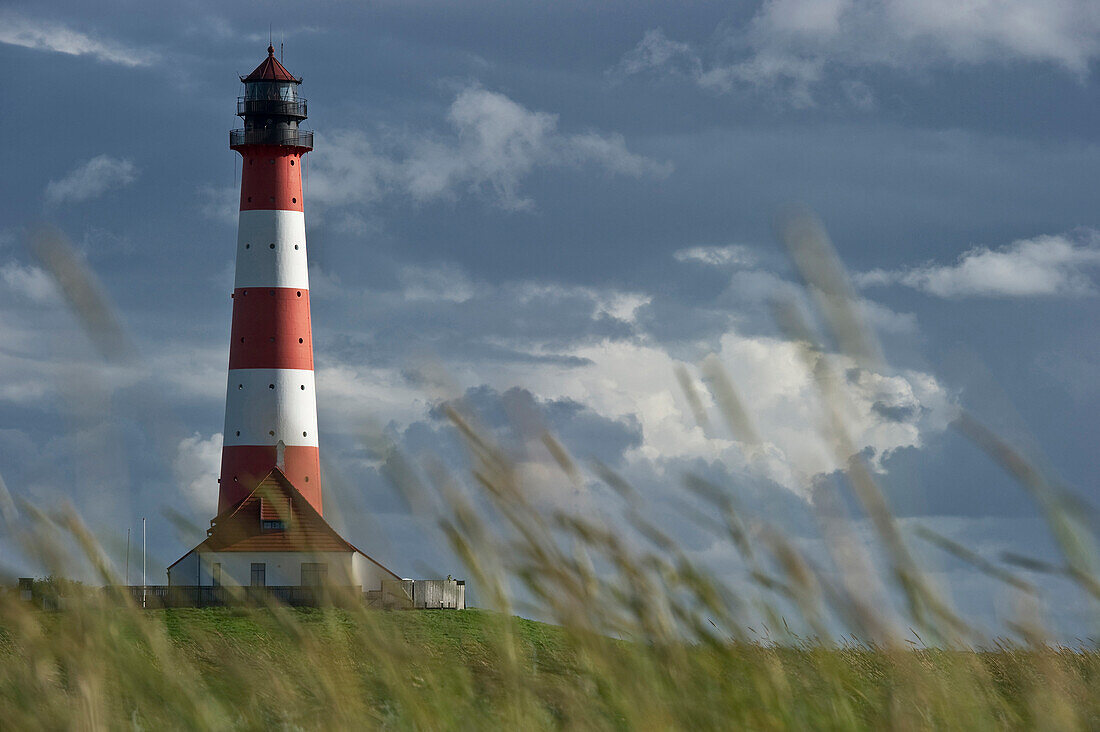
{"x": 185, "y": 571}
{"x": 280, "y": 568}
{"x": 368, "y": 574}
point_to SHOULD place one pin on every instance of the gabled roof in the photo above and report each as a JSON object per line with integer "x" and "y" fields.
{"x": 271, "y": 70}
{"x": 239, "y": 529}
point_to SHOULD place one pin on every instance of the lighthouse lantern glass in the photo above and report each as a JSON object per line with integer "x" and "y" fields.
{"x": 275, "y": 90}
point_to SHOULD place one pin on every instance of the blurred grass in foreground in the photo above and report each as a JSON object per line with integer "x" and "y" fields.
{"x": 643, "y": 636}
{"x": 96, "y": 666}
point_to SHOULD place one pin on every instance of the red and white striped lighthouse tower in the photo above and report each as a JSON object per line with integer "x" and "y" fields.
{"x": 269, "y": 530}
{"x": 270, "y": 403}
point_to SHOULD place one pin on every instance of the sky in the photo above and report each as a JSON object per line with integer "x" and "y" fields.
{"x": 546, "y": 209}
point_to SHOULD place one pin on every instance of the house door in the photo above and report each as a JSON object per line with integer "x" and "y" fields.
{"x": 314, "y": 574}
{"x": 259, "y": 574}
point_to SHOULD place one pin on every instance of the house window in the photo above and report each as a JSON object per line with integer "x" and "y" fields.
{"x": 216, "y": 574}
{"x": 314, "y": 574}
{"x": 259, "y": 574}
{"x": 273, "y": 525}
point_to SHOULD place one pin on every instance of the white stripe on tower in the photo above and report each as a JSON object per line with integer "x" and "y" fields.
{"x": 260, "y": 265}
{"x": 271, "y": 405}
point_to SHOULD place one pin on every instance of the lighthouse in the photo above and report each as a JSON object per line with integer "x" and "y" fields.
{"x": 270, "y": 402}
{"x": 270, "y": 529}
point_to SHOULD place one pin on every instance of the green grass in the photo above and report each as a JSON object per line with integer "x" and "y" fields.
{"x": 102, "y": 666}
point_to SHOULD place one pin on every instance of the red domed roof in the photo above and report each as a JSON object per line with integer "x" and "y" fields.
{"x": 270, "y": 70}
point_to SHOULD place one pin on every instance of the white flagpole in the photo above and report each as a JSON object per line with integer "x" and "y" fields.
{"x": 143, "y": 561}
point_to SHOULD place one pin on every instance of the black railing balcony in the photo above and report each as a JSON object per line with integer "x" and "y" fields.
{"x": 286, "y": 108}
{"x": 272, "y": 136}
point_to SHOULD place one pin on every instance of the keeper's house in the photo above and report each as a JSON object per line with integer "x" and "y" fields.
{"x": 275, "y": 538}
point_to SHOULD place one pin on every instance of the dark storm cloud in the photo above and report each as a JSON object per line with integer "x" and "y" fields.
{"x": 517, "y": 411}
{"x": 894, "y": 413}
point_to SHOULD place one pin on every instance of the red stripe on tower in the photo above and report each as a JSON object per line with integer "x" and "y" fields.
{"x": 271, "y": 402}
{"x": 271, "y": 329}
{"x": 272, "y": 179}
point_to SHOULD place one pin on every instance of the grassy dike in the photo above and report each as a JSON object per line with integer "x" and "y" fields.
{"x": 99, "y": 667}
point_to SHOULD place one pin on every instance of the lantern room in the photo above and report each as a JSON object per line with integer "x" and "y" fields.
{"x": 271, "y": 107}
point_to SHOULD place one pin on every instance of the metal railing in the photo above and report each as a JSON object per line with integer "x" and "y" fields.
{"x": 157, "y": 596}
{"x": 272, "y": 136}
{"x": 286, "y": 108}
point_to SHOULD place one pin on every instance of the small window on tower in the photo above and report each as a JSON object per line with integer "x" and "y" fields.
{"x": 292, "y": 162}
{"x": 295, "y": 246}
{"x": 294, "y": 200}
{"x": 300, "y": 340}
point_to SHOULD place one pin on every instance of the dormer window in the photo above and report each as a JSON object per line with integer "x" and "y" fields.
{"x": 274, "y": 514}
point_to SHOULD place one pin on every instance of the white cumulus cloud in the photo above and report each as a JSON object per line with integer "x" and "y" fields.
{"x": 628, "y": 380}
{"x": 196, "y": 467}
{"x": 29, "y": 281}
{"x": 789, "y": 46}
{"x": 16, "y": 30}
{"x": 655, "y": 51}
{"x": 493, "y": 145}
{"x": 92, "y": 179}
{"x": 618, "y": 304}
{"x": 1042, "y": 266}
{"x": 734, "y": 254}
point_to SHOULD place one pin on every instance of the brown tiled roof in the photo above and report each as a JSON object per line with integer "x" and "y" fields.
{"x": 274, "y": 508}
{"x": 270, "y": 70}
{"x": 239, "y": 529}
